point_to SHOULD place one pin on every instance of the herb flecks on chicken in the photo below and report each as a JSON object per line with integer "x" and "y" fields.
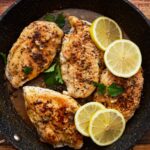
{"x": 33, "y": 52}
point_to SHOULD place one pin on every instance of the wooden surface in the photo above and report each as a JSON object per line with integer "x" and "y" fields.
{"x": 144, "y": 143}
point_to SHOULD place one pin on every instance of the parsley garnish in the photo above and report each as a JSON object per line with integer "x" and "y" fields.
{"x": 49, "y": 17}
{"x": 53, "y": 74}
{"x": 3, "y": 57}
{"x": 58, "y": 75}
{"x": 27, "y": 69}
{"x": 50, "y": 79}
{"x": 115, "y": 90}
{"x": 101, "y": 88}
{"x": 59, "y": 19}
{"x": 51, "y": 69}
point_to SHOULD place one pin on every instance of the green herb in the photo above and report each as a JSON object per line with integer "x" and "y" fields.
{"x": 101, "y": 88}
{"x": 59, "y": 19}
{"x": 27, "y": 69}
{"x": 49, "y": 17}
{"x": 58, "y": 75}
{"x": 115, "y": 90}
{"x": 53, "y": 74}
{"x": 3, "y": 57}
{"x": 50, "y": 79}
{"x": 51, "y": 69}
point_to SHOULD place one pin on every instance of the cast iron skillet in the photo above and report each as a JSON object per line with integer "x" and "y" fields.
{"x": 129, "y": 18}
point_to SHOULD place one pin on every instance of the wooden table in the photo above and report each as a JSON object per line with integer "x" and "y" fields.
{"x": 144, "y": 143}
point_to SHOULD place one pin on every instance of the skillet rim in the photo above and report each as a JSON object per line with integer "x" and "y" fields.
{"x": 134, "y": 8}
{"x": 126, "y": 1}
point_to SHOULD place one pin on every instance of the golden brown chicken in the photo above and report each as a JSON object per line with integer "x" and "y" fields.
{"x": 52, "y": 114}
{"x": 33, "y": 52}
{"x": 79, "y": 59}
{"x": 129, "y": 100}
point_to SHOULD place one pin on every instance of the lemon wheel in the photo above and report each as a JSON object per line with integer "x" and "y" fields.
{"x": 106, "y": 127}
{"x": 123, "y": 58}
{"x": 84, "y": 114}
{"x": 104, "y": 31}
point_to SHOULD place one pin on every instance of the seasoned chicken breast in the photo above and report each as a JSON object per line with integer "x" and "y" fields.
{"x": 129, "y": 101}
{"x": 33, "y": 52}
{"x": 52, "y": 114}
{"x": 79, "y": 60}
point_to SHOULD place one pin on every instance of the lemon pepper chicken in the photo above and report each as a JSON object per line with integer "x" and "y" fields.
{"x": 127, "y": 102}
{"x": 33, "y": 52}
{"x": 79, "y": 59}
{"x": 52, "y": 113}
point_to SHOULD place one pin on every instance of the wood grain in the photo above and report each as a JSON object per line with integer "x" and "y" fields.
{"x": 144, "y": 6}
{"x": 4, "y": 4}
{"x": 142, "y": 147}
{"x": 7, "y": 147}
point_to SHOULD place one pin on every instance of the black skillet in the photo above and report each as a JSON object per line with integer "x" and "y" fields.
{"x": 129, "y": 18}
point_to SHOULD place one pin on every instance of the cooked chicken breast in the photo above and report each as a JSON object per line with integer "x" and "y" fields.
{"x": 52, "y": 114}
{"x": 129, "y": 101}
{"x": 79, "y": 59}
{"x": 33, "y": 52}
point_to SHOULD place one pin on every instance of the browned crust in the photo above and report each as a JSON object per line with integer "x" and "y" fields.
{"x": 129, "y": 101}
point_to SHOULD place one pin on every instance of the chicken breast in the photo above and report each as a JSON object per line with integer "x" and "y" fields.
{"x": 52, "y": 114}
{"x": 33, "y": 52}
{"x": 79, "y": 60}
{"x": 127, "y": 102}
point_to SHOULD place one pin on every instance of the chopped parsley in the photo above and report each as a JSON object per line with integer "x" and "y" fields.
{"x": 59, "y": 19}
{"x": 53, "y": 74}
{"x": 27, "y": 70}
{"x": 3, "y": 56}
{"x": 49, "y": 17}
{"x": 113, "y": 90}
{"x": 101, "y": 88}
{"x": 58, "y": 75}
{"x": 51, "y": 69}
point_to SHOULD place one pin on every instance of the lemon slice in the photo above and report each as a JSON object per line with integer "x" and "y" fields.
{"x": 123, "y": 58}
{"x": 104, "y": 31}
{"x": 84, "y": 114}
{"x": 106, "y": 126}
